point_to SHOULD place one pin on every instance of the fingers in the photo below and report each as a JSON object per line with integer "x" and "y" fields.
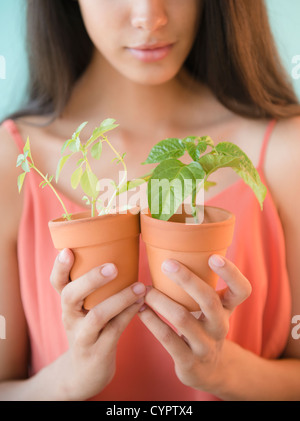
{"x": 213, "y": 304}
{"x": 124, "y": 304}
{"x": 112, "y": 315}
{"x": 75, "y": 292}
{"x": 239, "y": 288}
{"x": 59, "y": 277}
{"x": 113, "y": 330}
{"x": 179, "y": 317}
{"x": 207, "y": 298}
{"x": 169, "y": 339}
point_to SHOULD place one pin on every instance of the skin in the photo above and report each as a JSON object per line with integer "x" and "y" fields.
{"x": 203, "y": 358}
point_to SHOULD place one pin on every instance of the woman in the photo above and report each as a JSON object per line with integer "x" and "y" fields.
{"x": 161, "y": 68}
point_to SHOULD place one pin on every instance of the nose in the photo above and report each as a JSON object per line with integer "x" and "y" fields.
{"x": 149, "y": 15}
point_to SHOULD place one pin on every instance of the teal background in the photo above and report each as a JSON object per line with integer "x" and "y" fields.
{"x": 12, "y": 48}
{"x": 284, "y": 17}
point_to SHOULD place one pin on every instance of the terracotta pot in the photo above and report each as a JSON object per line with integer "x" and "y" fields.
{"x": 189, "y": 243}
{"x": 112, "y": 238}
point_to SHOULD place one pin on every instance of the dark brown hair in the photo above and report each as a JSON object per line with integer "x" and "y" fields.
{"x": 234, "y": 54}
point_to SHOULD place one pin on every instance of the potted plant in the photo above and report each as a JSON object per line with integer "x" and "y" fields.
{"x": 103, "y": 234}
{"x": 176, "y": 226}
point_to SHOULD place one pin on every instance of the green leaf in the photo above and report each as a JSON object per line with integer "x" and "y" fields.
{"x": 96, "y": 150}
{"x": 95, "y": 135}
{"x": 207, "y": 140}
{"x": 25, "y": 166}
{"x": 209, "y": 184}
{"x": 195, "y": 151}
{"x": 76, "y": 177}
{"x": 79, "y": 130}
{"x": 107, "y": 125}
{"x": 245, "y": 169}
{"x": 61, "y": 164}
{"x": 72, "y": 144}
{"x": 67, "y": 216}
{"x": 43, "y": 184}
{"x": 132, "y": 184}
{"x": 26, "y": 149}
{"x": 80, "y": 162}
{"x": 65, "y": 145}
{"x": 166, "y": 149}
{"x": 88, "y": 183}
{"x": 21, "y": 179}
{"x": 75, "y": 145}
{"x": 196, "y": 145}
{"x": 20, "y": 160}
{"x": 212, "y": 162}
{"x": 171, "y": 183}
{"x": 86, "y": 200}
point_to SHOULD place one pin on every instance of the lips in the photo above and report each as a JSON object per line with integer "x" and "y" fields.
{"x": 151, "y": 52}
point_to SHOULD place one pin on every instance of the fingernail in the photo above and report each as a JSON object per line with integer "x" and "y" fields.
{"x": 170, "y": 266}
{"x": 143, "y": 308}
{"x": 139, "y": 288}
{"x": 63, "y": 256}
{"x": 108, "y": 270}
{"x": 217, "y": 260}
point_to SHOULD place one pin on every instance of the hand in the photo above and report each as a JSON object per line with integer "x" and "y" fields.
{"x": 197, "y": 346}
{"x": 92, "y": 335}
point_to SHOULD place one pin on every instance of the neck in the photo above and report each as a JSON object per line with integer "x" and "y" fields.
{"x": 103, "y": 92}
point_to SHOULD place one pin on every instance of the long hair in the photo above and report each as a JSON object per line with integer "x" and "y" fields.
{"x": 234, "y": 54}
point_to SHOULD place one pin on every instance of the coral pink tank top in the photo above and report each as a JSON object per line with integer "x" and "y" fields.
{"x": 145, "y": 371}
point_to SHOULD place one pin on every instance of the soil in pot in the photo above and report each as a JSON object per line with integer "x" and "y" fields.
{"x": 189, "y": 243}
{"x": 112, "y": 238}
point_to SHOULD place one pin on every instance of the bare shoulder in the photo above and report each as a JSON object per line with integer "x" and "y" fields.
{"x": 11, "y": 201}
{"x": 282, "y": 169}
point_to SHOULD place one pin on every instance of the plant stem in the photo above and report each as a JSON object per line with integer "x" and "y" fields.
{"x": 93, "y": 207}
{"x": 194, "y": 206}
{"x": 122, "y": 181}
{"x": 54, "y": 191}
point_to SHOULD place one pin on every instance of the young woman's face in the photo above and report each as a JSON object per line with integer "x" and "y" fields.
{"x": 147, "y": 41}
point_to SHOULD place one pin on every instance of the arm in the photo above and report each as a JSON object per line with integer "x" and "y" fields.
{"x": 203, "y": 358}
{"x": 13, "y": 349}
{"x": 278, "y": 379}
{"x": 89, "y": 364}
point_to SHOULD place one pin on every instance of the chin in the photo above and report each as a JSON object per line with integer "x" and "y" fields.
{"x": 152, "y": 77}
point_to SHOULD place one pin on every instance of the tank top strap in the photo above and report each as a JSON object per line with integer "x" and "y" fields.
{"x": 265, "y": 143}
{"x": 13, "y": 130}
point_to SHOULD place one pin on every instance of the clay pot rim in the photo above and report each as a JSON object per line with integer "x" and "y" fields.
{"x": 92, "y": 231}
{"x": 145, "y": 213}
{"x": 84, "y": 217}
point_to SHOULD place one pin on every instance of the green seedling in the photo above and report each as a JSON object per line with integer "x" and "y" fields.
{"x": 185, "y": 180}
{"x": 25, "y": 161}
{"x": 83, "y": 174}
{"x": 169, "y": 184}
